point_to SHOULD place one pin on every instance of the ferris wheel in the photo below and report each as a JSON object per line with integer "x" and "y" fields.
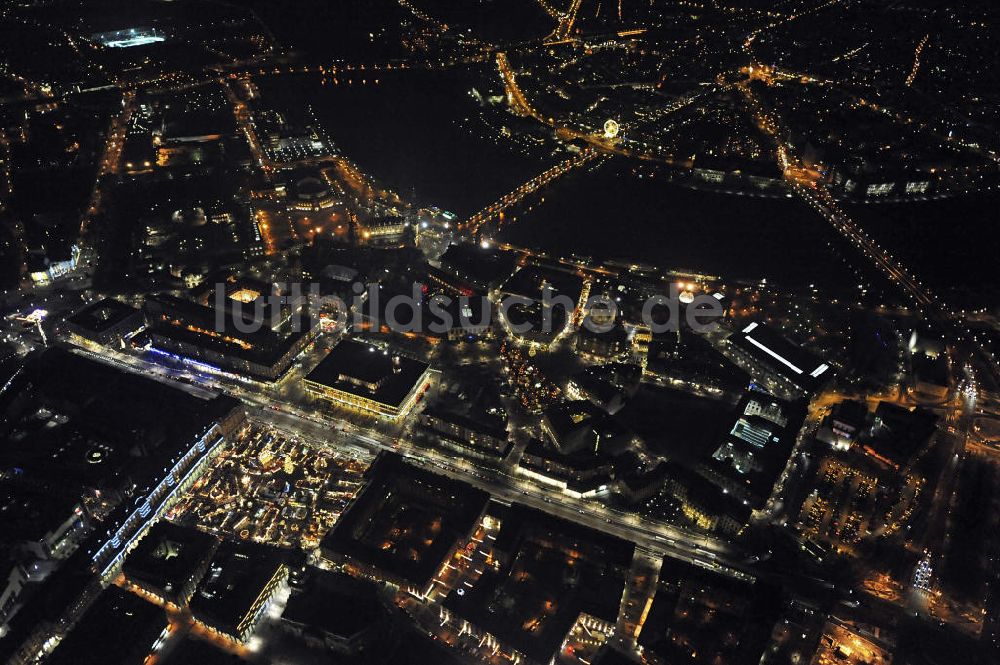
{"x": 611, "y": 129}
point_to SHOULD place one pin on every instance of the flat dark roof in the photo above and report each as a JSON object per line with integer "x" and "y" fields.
{"x": 483, "y": 424}
{"x": 694, "y": 609}
{"x": 118, "y": 629}
{"x": 707, "y": 495}
{"x": 931, "y": 370}
{"x": 102, "y": 315}
{"x": 852, "y": 412}
{"x": 597, "y": 388}
{"x": 351, "y": 364}
{"x": 406, "y": 520}
{"x": 236, "y": 575}
{"x": 580, "y": 461}
{"x": 198, "y": 326}
{"x": 676, "y": 423}
{"x": 553, "y": 570}
{"x": 268, "y": 348}
{"x": 32, "y": 509}
{"x": 104, "y": 425}
{"x": 768, "y": 347}
{"x": 610, "y": 656}
{"x": 899, "y": 432}
{"x": 416, "y": 648}
{"x": 530, "y": 282}
{"x": 567, "y": 417}
{"x": 478, "y": 265}
{"x": 336, "y": 603}
{"x": 168, "y": 556}
{"x": 692, "y": 357}
{"x": 194, "y": 651}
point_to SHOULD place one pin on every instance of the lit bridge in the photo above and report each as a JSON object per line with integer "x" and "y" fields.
{"x": 487, "y": 214}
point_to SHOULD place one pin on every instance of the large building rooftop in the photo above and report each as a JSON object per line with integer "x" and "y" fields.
{"x": 120, "y": 628}
{"x": 210, "y": 334}
{"x": 477, "y": 266}
{"x": 702, "y": 617}
{"x": 898, "y": 433}
{"x": 548, "y": 572}
{"x": 336, "y": 604}
{"x": 232, "y": 590}
{"x": 196, "y": 651}
{"x": 84, "y": 424}
{"x": 405, "y": 522}
{"x": 169, "y": 559}
{"x": 767, "y": 348}
{"x": 532, "y": 282}
{"x": 576, "y": 425}
{"x": 374, "y": 377}
{"x": 676, "y": 423}
{"x": 755, "y": 450}
{"x": 102, "y": 315}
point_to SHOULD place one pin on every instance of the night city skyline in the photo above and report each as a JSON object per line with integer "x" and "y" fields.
{"x": 499, "y": 332}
